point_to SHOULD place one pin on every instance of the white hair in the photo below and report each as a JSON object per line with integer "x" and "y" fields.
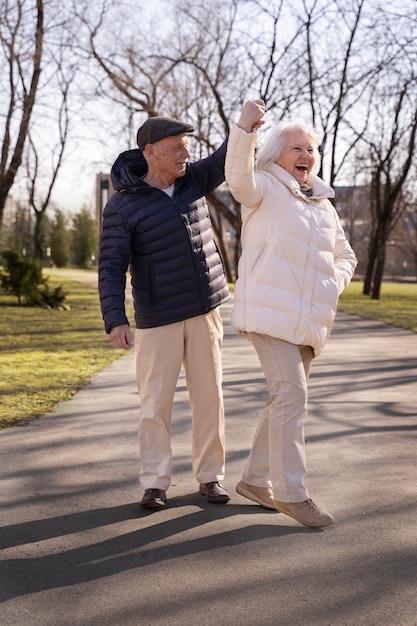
{"x": 276, "y": 143}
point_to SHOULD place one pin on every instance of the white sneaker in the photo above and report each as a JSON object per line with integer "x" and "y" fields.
{"x": 261, "y": 495}
{"x": 306, "y": 512}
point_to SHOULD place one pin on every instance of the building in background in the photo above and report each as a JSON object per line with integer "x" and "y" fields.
{"x": 104, "y": 190}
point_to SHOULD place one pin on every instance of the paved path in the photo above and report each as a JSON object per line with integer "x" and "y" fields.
{"x": 78, "y": 551}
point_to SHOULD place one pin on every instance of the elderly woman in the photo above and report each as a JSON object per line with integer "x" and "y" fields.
{"x": 295, "y": 262}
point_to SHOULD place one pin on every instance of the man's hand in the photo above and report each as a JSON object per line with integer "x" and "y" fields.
{"x": 121, "y": 336}
{"x": 251, "y": 115}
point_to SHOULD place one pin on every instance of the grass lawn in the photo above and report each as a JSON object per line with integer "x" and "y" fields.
{"x": 46, "y": 356}
{"x": 397, "y": 305}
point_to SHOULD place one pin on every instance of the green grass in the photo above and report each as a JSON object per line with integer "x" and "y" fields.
{"x": 397, "y": 304}
{"x": 47, "y": 355}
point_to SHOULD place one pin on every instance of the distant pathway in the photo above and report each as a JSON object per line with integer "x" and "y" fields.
{"x": 81, "y": 276}
{"x": 89, "y": 277}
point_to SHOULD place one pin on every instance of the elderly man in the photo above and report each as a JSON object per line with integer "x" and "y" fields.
{"x": 157, "y": 224}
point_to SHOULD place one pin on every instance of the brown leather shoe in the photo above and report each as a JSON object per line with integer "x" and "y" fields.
{"x": 214, "y": 492}
{"x": 153, "y": 499}
{"x": 306, "y": 512}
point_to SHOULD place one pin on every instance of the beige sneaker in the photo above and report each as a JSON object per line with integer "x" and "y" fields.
{"x": 306, "y": 512}
{"x": 260, "y": 495}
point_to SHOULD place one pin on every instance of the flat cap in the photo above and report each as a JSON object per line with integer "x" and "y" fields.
{"x": 157, "y": 128}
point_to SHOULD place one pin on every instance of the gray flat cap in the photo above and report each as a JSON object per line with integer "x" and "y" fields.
{"x": 157, "y": 128}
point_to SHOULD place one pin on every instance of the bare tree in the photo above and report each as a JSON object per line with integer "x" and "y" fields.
{"x": 390, "y": 98}
{"x": 210, "y": 57}
{"x": 21, "y": 40}
{"x": 40, "y": 107}
{"x": 335, "y": 76}
{"x": 273, "y": 63}
{"x": 183, "y": 73}
{"x": 208, "y": 62}
{"x": 39, "y": 199}
{"x": 391, "y": 153}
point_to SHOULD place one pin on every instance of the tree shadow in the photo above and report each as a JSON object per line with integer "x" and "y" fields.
{"x": 126, "y": 551}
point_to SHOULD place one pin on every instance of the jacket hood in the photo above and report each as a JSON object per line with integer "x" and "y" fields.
{"x": 128, "y": 170}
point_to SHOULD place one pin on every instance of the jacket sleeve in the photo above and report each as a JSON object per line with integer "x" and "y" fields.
{"x": 244, "y": 184}
{"x": 345, "y": 261}
{"x": 112, "y": 268}
{"x": 209, "y": 172}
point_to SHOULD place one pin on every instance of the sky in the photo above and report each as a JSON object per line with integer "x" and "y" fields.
{"x": 87, "y": 157}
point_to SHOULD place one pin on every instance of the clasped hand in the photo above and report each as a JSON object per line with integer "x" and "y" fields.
{"x": 251, "y": 116}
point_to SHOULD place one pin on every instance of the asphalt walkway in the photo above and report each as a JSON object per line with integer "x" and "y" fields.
{"x": 76, "y": 549}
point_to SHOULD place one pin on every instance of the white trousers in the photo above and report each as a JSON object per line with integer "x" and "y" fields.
{"x": 277, "y": 457}
{"x": 196, "y": 344}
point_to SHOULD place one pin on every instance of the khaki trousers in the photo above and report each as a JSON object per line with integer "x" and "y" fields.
{"x": 277, "y": 457}
{"x": 160, "y": 352}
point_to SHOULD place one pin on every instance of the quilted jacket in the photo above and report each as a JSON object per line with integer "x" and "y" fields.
{"x": 167, "y": 243}
{"x": 295, "y": 258}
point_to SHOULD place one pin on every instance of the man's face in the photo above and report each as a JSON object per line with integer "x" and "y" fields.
{"x": 170, "y": 156}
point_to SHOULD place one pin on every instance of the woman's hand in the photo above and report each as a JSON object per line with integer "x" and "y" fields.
{"x": 251, "y": 116}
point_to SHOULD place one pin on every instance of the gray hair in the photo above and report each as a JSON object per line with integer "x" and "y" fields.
{"x": 276, "y": 143}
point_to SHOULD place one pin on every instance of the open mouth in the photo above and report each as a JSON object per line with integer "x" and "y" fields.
{"x": 302, "y": 168}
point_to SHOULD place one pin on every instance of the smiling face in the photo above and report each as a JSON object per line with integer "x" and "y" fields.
{"x": 298, "y": 155}
{"x": 167, "y": 160}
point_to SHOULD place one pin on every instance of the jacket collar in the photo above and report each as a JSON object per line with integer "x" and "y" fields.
{"x": 321, "y": 190}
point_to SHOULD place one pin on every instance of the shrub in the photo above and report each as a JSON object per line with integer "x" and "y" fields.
{"x": 23, "y": 278}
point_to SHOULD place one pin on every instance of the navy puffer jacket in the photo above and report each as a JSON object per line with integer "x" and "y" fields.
{"x": 167, "y": 243}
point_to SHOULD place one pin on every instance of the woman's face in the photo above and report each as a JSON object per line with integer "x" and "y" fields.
{"x": 298, "y": 155}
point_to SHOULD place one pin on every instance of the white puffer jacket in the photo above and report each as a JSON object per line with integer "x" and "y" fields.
{"x": 295, "y": 258}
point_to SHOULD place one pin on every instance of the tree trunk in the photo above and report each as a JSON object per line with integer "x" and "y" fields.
{"x": 372, "y": 254}
{"x": 38, "y": 236}
{"x": 9, "y": 168}
{"x": 379, "y": 273}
